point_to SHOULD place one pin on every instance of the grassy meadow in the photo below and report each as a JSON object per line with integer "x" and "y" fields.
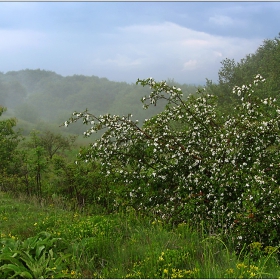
{"x": 47, "y": 240}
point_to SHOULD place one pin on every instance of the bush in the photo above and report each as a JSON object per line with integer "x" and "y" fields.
{"x": 192, "y": 162}
{"x": 82, "y": 183}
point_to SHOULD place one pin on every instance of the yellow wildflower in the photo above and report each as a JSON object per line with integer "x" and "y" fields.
{"x": 241, "y": 265}
{"x": 161, "y": 257}
{"x": 256, "y": 246}
{"x": 270, "y": 249}
{"x": 230, "y": 271}
{"x": 252, "y": 274}
{"x": 253, "y": 267}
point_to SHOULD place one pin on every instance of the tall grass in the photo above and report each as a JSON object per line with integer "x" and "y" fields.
{"x": 129, "y": 245}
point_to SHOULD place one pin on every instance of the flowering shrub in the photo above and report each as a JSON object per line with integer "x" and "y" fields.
{"x": 191, "y": 162}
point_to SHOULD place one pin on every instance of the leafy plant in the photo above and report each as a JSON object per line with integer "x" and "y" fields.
{"x": 41, "y": 256}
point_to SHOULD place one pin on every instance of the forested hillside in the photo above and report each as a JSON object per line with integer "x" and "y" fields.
{"x": 40, "y": 98}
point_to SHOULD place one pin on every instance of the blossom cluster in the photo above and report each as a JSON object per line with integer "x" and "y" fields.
{"x": 189, "y": 162}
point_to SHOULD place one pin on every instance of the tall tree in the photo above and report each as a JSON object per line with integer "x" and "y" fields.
{"x": 9, "y": 140}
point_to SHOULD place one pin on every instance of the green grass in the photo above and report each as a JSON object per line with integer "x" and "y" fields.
{"x": 127, "y": 245}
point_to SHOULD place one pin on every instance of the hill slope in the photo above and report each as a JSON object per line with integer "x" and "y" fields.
{"x": 37, "y": 97}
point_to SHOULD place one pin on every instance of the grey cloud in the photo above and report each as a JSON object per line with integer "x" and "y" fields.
{"x": 185, "y": 41}
{"x": 170, "y": 51}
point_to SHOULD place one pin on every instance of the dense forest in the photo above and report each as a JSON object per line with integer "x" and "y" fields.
{"x": 205, "y": 158}
{"x": 42, "y": 99}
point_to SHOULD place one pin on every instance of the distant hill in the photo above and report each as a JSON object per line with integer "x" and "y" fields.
{"x": 41, "y": 99}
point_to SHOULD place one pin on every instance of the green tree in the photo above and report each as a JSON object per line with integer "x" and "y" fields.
{"x": 36, "y": 163}
{"x": 265, "y": 60}
{"x": 54, "y": 143}
{"x": 9, "y": 140}
{"x": 83, "y": 184}
{"x": 36, "y": 155}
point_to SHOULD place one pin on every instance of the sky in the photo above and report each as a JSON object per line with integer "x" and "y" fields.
{"x": 124, "y": 41}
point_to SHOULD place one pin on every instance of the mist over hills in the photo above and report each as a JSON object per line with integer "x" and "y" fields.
{"x": 42, "y": 99}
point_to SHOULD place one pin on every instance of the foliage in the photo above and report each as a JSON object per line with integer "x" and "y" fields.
{"x": 55, "y": 143}
{"x": 171, "y": 264}
{"x": 42, "y": 256}
{"x": 265, "y": 60}
{"x": 9, "y": 140}
{"x": 31, "y": 165}
{"x": 34, "y": 95}
{"x": 219, "y": 169}
{"x": 34, "y": 165}
{"x": 84, "y": 184}
{"x": 122, "y": 245}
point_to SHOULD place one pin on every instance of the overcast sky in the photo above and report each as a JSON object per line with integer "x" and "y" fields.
{"x": 124, "y": 41}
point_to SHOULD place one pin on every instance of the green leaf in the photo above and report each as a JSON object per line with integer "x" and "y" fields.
{"x": 39, "y": 249}
{"x": 10, "y": 258}
{"x": 28, "y": 259}
{"x": 26, "y": 275}
{"x": 12, "y": 267}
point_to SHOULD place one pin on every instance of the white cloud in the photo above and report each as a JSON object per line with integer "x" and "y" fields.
{"x": 161, "y": 50}
{"x": 190, "y": 65}
{"x": 168, "y": 50}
